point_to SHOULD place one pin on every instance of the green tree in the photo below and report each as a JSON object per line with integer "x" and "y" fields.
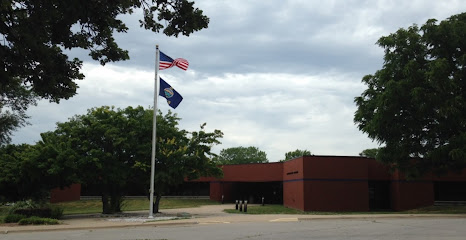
{"x": 241, "y": 155}
{"x": 34, "y": 35}
{"x": 370, "y": 152}
{"x": 28, "y": 171}
{"x": 415, "y": 105}
{"x": 14, "y": 101}
{"x": 102, "y": 143}
{"x": 12, "y": 187}
{"x": 183, "y": 158}
{"x": 295, "y": 154}
{"x": 111, "y": 149}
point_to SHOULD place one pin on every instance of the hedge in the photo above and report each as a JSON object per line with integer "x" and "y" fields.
{"x": 37, "y": 221}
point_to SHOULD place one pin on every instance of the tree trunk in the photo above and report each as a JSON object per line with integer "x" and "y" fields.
{"x": 115, "y": 203}
{"x": 105, "y": 205}
{"x": 156, "y": 203}
{"x": 115, "y": 199}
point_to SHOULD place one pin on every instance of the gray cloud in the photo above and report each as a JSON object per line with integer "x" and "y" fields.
{"x": 291, "y": 36}
{"x": 279, "y": 75}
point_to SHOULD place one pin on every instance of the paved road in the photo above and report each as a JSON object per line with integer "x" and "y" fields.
{"x": 285, "y": 228}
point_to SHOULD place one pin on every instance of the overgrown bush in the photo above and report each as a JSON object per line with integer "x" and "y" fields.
{"x": 37, "y": 212}
{"x": 4, "y": 210}
{"x": 57, "y": 212}
{"x": 13, "y": 218}
{"x": 37, "y": 221}
{"x": 24, "y": 205}
{"x": 30, "y": 208}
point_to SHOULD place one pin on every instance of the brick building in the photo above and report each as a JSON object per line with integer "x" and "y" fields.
{"x": 327, "y": 183}
{"x": 334, "y": 183}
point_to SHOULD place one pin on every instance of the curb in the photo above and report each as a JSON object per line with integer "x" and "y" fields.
{"x": 90, "y": 228}
{"x": 387, "y": 216}
{"x": 232, "y": 218}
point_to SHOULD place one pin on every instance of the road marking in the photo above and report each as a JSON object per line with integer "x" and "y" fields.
{"x": 284, "y": 220}
{"x": 213, "y": 222}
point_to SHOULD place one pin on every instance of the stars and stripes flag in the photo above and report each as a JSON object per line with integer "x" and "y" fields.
{"x": 168, "y": 62}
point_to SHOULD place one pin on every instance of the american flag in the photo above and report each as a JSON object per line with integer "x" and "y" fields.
{"x": 168, "y": 62}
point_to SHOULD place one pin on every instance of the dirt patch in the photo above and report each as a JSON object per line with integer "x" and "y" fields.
{"x": 9, "y": 224}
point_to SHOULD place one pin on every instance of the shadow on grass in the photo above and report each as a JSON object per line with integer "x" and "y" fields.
{"x": 95, "y": 206}
{"x": 280, "y": 209}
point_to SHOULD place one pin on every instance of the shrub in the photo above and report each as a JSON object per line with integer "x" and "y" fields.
{"x": 28, "y": 204}
{"x": 38, "y": 212}
{"x": 13, "y": 218}
{"x": 30, "y": 208}
{"x": 4, "y": 210}
{"x": 37, "y": 221}
{"x": 57, "y": 212}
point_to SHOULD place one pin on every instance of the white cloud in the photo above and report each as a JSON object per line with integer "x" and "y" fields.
{"x": 275, "y": 112}
{"x": 278, "y": 75}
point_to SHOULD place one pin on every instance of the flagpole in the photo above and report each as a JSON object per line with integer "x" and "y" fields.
{"x": 154, "y": 131}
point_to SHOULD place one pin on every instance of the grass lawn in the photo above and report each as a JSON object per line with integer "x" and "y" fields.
{"x": 267, "y": 209}
{"x": 95, "y": 206}
{"x": 438, "y": 210}
{"x": 279, "y": 209}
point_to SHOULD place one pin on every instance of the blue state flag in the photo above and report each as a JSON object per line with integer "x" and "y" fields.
{"x": 172, "y": 96}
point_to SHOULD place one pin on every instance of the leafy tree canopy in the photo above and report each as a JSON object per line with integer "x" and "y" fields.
{"x": 110, "y": 149}
{"x": 30, "y": 171}
{"x": 416, "y": 104}
{"x": 34, "y": 34}
{"x": 295, "y": 154}
{"x": 13, "y": 183}
{"x": 241, "y": 155}
{"x": 370, "y": 152}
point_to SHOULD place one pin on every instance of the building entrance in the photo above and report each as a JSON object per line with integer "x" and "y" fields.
{"x": 379, "y": 195}
{"x": 272, "y": 192}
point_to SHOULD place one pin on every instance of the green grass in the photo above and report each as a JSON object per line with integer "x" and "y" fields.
{"x": 13, "y": 218}
{"x": 80, "y": 207}
{"x": 280, "y": 209}
{"x": 438, "y": 210}
{"x": 268, "y": 209}
{"x": 38, "y": 221}
{"x": 95, "y": 206}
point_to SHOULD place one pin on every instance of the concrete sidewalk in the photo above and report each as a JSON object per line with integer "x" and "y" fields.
{"x": 210, "y": 214}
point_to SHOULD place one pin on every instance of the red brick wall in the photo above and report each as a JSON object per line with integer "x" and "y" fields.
{"x": 215, "y": 191}
{"x": 293, "y": 186}
{"x": 377, "y": 171}
{"x": 336, "y": 196}
{"x": 333, "y": 183}
{"x": 453, "y": 176}
{"x": 72, "y": 193}
{"x": 227, "y": 191}
{"x": 259, "y": 172}
{"x": 335, "y": 167}
{"x": 293, "y": 196}
{"x": 411, "y": 194}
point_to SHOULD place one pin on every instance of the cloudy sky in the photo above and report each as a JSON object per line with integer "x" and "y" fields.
{"x": 278, "y": 75}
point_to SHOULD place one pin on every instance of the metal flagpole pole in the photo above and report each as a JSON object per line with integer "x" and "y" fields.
{"x": 154, "y": 131}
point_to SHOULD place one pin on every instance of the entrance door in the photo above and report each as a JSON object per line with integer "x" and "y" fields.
{"x": 379, "y": 195}
{"x": 272, "y": 192}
